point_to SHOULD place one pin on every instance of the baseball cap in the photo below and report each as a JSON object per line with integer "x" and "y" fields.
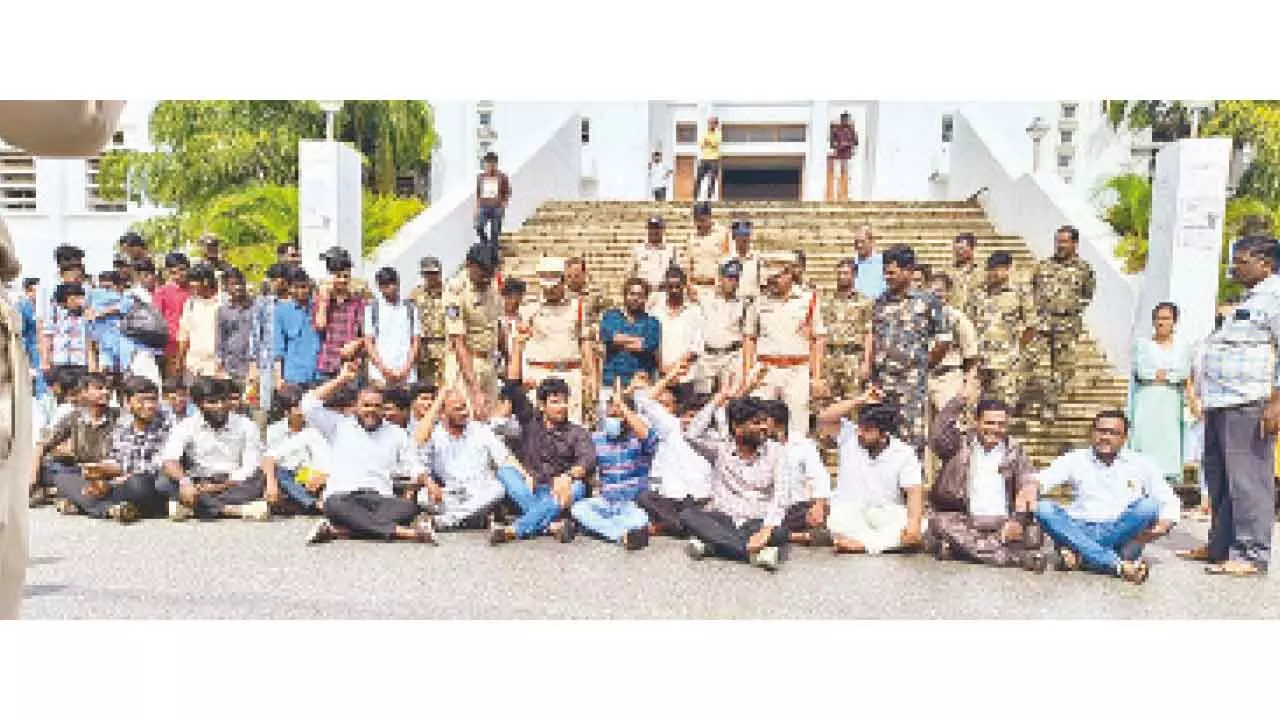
{"x": 430, "y": 264}
{"x": 132, "y": 239}
{"x": 731, "y": 268}
{"x": 741, "y": 228}
{"x": 655, "y": 221}
{"x": 548, "y": 267}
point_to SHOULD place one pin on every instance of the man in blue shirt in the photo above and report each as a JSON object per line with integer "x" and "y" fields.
{"x": 630, "y": 337}
{"x": 624, "y": 452}
{"x": 297, "y": 344}
{"x": 870, "y": 265}
{"x": 30, "y": 332}
{"x": 264, "y": 328}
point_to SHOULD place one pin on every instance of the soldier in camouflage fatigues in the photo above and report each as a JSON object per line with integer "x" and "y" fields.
{"x": 593, "y": 307}
{"x": 967, "y": 278}
{"x": 909, "y": 333}
{"x": 1061, "y": 286}
{"x": 429, "y": 299}
{"x": 847, "y": 315}
{"x": 1005, "y": 319}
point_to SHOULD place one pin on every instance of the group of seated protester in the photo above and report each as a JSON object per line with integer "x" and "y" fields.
{"x": 721, "y": 472}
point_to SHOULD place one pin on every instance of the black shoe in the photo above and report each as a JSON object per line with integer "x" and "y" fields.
{"x": 498, "y": 534}
{"x": 1035, "y": 561}
{"x": 820, "y": 537}
{"x": 636, "y": 539}
{"x": 568, "y": 530}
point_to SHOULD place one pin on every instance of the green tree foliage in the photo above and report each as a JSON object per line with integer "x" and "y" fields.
{"x": 398, "y": 135}
{"x": 1168, "y": 119}
{"x": 1130, "y": 216}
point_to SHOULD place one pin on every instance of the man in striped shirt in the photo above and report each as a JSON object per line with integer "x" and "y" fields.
{"x": 624, "y": 452}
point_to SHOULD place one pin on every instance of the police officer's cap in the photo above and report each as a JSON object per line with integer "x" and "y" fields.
{"x": 741, "y": 228}
{"x": 731, "y": 269}
{"x": 430, "y": 264}
{"x": 999, "y": 258}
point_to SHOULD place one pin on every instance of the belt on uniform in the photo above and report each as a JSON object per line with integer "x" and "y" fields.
{"x": 731, "y": 347}
{"x": 1065, "y": 313}
{"x": 849, "y": 348}
{"x": 558, "y": 366}
{"x": 784, "y": 360}
{"x": 704, "y": 281}
{"x": 940, "y": 371}
{"x": 434, "y": 339}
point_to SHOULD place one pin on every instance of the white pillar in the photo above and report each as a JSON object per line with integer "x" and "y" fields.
{"x": 1188, "y": 205}
{"x": 329, "y": 203}
{"x": 815, "y": 162}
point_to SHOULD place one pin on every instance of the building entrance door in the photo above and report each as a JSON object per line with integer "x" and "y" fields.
{"x": 763, "y": 178}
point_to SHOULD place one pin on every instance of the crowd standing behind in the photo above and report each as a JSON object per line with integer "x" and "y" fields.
{"x": 694, "y": 405}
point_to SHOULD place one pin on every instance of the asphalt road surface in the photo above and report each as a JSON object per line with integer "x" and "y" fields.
{"x": 231, "y": 569}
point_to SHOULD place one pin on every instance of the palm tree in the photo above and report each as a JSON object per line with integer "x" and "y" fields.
{"x": 1129, "y": 214}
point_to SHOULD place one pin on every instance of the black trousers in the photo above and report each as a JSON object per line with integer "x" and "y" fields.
{"x": 797, "y": 520}
{"x": 705, "y": 168}
{"x": 209, "y": 506}
{"x": 368, "y": 515}
{"x": 665, "y": 512}
{"x": 660, "y": 194}
{"x": 492, "y": 218}
{"x": 723, "y": 537}
{"x": 140, "y": 489}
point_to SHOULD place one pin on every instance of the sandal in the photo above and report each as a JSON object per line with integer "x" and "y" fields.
{"x": 1068, "y": 560}
{"x": 1035, "y": 561}
{"x": 1200, "y": 554}
{"x": 1135, "y": 572}
{"x": 1234, "y": 568}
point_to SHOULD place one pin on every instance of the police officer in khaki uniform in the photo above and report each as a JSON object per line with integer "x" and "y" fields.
{"x": 552, "y": 330}
{"x": 593, "y": 307}
{"x": 967, "y": 277}
{"x": 704, "y": 250}
{"x": 429, "y": 299}
{"x": 728, "y": 317}
{"x": 749, "y": 260}
{"x": 650, "y": 260}
{"x": 948, "y": 378}
{"x": 471, "y": 308}
{"x": 789, "y": 323}
{"x": 847, "y": 315}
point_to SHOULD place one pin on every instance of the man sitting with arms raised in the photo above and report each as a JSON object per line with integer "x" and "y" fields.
{"x": 222, "y": 452}
{"x": 464, "y": 460}
{"x": 975, "y": 514}
{"x": 365, "y": 452}
{"x": 680, "y": 478}
{"x": 1122, "y": 502}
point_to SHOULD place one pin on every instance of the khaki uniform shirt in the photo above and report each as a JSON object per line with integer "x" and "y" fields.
{"x": 751, "y": 278}
{"x": 556, "y": 332}
{"x": 473, "y": 314}
{"x": 964, "y": 340}
{"x": 651, "y": 262}
{"x": 705, "y": 252}
{"x": 780, "y": 324}
{"x": 727, "y": 320}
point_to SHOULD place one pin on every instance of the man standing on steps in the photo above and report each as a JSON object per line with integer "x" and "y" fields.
{"x": 493, "y": 192}
{"x": 650, "y": 260}
{"x": 471, "y": 308}
{"x": 704, "y": 249}
{"x": 593, "y": 306}
{"x": 728, "y": 318}
{"x": 708, "y": 160}
{"x": 789, "y": 323}
{"x": 966, "y": 276}
{"x": 1005, "y": 321}
{"x": 659, "y": 176}
{"x": 844, "y": 139}
{"x": 1062, "y": 286}
{"x": 847, "y": 315}
{"x": 869, "y": 279}
{"x": 909, "y": 337}
{"x": 681, "y": 322}
{"x": 429, "y": 299}
{"x": 748, "y": 260}
{"x": 554, "y": 342}
{"x": 961, "y": 362}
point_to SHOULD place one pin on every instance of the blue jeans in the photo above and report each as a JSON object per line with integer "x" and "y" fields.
{"x": 538, "y": 508}
{"x": 1100, "y": 544}
{"x": 609, "y": 520}
{"x": 293, "y": 489}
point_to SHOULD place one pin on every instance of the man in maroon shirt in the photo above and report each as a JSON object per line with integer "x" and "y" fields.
{"x": 493, "y": 191}
{"x": 844, "y": 138}
{"x": 339, "y": 316}
{"x": 169, "y": 299}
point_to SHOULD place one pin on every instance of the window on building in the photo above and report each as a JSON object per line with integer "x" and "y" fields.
{"x": 486, "y": 118}
{"x": 93, "y": 202}
{"x": 686, "y": 133}
{"x": 1064, "y": 161}
{"x": 1066, "y": 137}
{"x": 118, "y": 138}
{"x": 793, "y": 133}
{"x": 743, "y": 133}
{"x": 586, "y": 130}
{"x": 17, "y": 181}
{"x": 1068, "y": 111}
{"x": 948, "y": 128}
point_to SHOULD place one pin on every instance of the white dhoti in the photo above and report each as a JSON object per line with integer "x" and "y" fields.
{"x": 877, "y": 527}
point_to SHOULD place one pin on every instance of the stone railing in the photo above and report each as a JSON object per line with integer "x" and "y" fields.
{"x": 1033, "y": 206}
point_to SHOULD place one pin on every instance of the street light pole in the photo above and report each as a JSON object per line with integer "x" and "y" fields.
{"x": 1037, "y": 131}
{"x": 330, "y": 108}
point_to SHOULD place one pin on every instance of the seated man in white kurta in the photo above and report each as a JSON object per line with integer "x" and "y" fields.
{"x": 878, "y": 503}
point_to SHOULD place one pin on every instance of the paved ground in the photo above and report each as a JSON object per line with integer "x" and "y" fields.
{"x": 230, "y": 569}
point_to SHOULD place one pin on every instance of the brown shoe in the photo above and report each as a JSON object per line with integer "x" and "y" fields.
{"x": 1135, "y": 572}
{"x": 1200, "y": 554}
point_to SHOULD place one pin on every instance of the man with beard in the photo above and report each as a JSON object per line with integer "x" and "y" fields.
{"x": 789, "y": 326}
{"x": 555, "y": 344}
{"x": 868, "y": 513}
{"x": 750, "y": 486}
{"x": 212, "y": 460}
{"x": 847, "y": 315}
{"x": 624, "y": 452}
{"x": 630, "y": 337}
{"x": 1062, "y": 286}
{"x": 1121, "y": 503}
{"x": 680, "y": 478}
{"x": 472, "y": 308}
{"x": 558, "y": 455}
{"x": 806, "y": 518}
{"x": 681, "y": 325}
{"x": 366, "y": 453}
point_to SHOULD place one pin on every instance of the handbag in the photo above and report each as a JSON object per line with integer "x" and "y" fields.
{"x": 144, "y": 324}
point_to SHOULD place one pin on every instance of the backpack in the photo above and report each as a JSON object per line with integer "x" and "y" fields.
{"x": 144, "y": 324}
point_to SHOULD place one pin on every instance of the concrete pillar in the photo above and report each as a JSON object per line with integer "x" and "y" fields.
{"x": 815, "y": 162}
{"x": 1188, "y": 205}
{"x": 329, "y": 203}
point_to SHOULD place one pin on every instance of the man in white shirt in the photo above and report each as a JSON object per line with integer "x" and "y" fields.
{"x": 359, "y": 498}
{"x": 297, "y": 457}
{"x": 463, "y": 460}
{"x": 806, "y": 517}
{"x": 659, "y": 176}
{"x": 1122, "y": 502}
{"x": 197, "y": 329}
{"x": 391, "y": 333}
{"x": 679, "y": 477}
{"x": 868, "y": 513}
{"x": 681, "y": 322}
{"x": 222, "y": 450}
{"x": 650, "y": 259}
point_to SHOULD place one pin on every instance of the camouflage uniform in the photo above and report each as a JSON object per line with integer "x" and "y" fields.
{"x": 905, "y": 329}
{"x": 966, "y": 284}
{"x": 593, "y": 308}
{"x": 847, "y": 317}
{"x": 474, "y": 315}
{"x": 432, "y": 349}
{"x": 1000, "y": 317}
{"x": 1061, "y": 290}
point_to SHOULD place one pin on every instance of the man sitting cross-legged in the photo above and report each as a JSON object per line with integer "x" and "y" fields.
{"x": 557, "y": 453}
{"x": 1122, "y": 502}
{"x": 868, "y": 514}
{"x": 464, "y": 461}
{"x": 624, "y": 452}
{"x": 73, "y": 449}
{"x": 975, "y": 515}
{"x": 679, "y": 477}
{"x": 366, "y": 451}
{"x": 297, "y": 458}
{"x": 806, "y": 518}
{"x": 750, "y": 484}
{"x": 211, "y": 460}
